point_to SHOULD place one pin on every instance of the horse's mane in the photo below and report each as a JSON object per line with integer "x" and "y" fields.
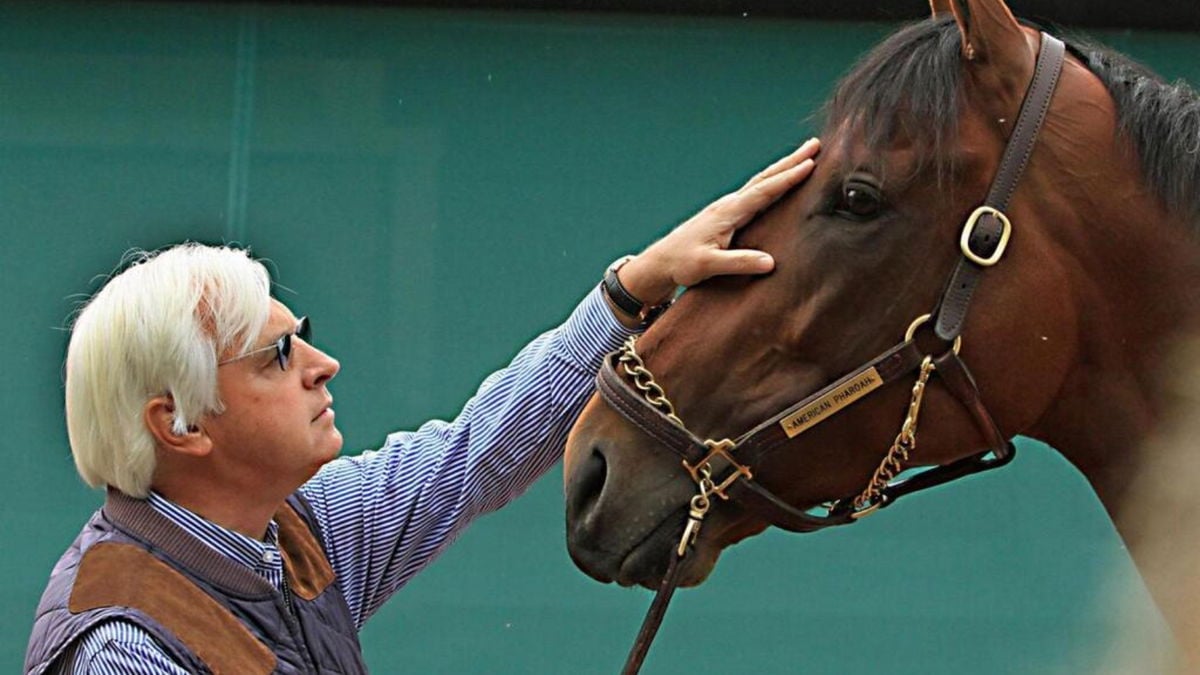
{"x": 909, "y": 86}
{"x": 1162, "y": 120}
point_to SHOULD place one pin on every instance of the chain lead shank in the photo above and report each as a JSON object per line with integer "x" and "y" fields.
{"x": 868, "y": 501}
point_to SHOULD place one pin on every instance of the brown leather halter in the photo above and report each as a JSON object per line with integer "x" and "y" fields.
{"x": 643, "y": 403}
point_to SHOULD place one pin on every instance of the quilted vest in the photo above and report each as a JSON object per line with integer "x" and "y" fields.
{"x": 209, "y": 613}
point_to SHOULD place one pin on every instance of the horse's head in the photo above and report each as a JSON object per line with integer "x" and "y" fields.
{"x": 913, "y": 139}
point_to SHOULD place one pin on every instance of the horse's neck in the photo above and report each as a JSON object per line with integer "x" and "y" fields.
{"x": 1138, "y": 289}
{"x": 1126, "y": 414}
{"x": 1135, "y": 382}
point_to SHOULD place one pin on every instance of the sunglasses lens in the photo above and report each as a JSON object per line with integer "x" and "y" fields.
{"x": 284, "y": 345}
{"x": 284, "y": 350}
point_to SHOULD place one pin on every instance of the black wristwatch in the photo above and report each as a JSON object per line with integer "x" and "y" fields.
{"x": 625, "y": 301}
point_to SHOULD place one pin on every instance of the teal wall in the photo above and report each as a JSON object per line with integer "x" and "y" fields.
{"x": 434, "y": 188}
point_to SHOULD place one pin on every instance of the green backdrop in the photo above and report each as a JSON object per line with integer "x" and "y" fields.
{"x": 434, "y": 188}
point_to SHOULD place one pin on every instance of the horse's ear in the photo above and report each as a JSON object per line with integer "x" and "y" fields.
{"x": 989, "y": 31}
{"x": 940, "y": 7}
{"x": 995, "y": 45}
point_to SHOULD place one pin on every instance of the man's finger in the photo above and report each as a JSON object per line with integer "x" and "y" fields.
{"x": 764, "y": 193}
{"x": 807, "y": 150}
{"x": 740, "y": 261}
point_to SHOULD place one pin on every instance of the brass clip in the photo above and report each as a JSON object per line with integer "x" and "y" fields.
{"x": 699, "y": 508}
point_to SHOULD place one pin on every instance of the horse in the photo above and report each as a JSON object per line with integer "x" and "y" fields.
{"x": 1080, "y": 279}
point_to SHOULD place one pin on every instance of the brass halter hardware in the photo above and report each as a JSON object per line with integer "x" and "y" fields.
{"x": 643, "y": 379}
{"x": 703, "y": 469}
{"x": 924, "y": 318}
{"x": 869, "y": 501}
{"x": 964, "y": 242}
{"x": 697, "y": 509}
{"x": 701, "y": 473}
{"x": 653, "y": 393}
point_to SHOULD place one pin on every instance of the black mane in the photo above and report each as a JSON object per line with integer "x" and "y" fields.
{"x": 909, "y": 86}
{"x": 1162, "y": 120}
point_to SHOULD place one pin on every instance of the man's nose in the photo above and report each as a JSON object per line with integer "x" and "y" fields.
{"x": 319, "y": 367}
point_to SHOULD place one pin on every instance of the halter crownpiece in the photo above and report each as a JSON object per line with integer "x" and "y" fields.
{"x": 644, "y": 403}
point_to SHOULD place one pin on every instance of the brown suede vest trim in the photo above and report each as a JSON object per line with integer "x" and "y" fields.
{"x": 308, "y": 571}
{"x": 124, "y": 575}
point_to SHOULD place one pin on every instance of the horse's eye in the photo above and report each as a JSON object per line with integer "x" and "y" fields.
{"x": 859, "y": 202}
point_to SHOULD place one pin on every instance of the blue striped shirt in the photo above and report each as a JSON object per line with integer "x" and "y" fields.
{"x": 386, "y": 514}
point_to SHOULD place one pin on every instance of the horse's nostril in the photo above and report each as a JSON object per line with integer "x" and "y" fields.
{"x": 587, "y": 485}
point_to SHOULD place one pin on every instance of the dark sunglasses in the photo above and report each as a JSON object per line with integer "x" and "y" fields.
{"x": 282, "y": 346}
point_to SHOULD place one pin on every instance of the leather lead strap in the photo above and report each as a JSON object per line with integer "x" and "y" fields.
{"x": 952, "y": 310}
{"x": 654, "y": 617}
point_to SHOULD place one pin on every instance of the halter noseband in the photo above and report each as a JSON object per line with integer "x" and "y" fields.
{"x": 716, "y": 470}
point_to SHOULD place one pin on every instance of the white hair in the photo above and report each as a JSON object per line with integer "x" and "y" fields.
{"x": 157, "y": 328}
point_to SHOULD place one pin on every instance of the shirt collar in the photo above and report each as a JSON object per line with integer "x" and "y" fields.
{"x": 233, "y": 545}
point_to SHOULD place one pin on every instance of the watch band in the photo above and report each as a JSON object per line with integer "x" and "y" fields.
{"x": 621, "y": 297}
{"x": 625, "y": 301}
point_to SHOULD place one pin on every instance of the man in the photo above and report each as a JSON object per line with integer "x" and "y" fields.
{"x": 231, "y": 540}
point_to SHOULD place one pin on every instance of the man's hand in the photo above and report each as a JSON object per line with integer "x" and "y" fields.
{"x": 698, "y": 248}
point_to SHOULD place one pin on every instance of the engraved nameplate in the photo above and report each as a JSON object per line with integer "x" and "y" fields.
{"x": 816, "y": 412}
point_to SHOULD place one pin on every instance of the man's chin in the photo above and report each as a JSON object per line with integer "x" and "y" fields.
{"x": 329, "y": 449}
{"x": 334, "y": 444}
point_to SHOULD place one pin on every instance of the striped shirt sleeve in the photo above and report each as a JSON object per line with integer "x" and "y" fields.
{"x": 117, "y": 648}
{"x": 386, "y": 514}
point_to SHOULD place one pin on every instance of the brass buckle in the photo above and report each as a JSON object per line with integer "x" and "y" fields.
{"x": 964, "y": 242}
{"x": 702, "y": 470}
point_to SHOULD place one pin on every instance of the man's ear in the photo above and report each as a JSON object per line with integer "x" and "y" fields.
{"x": 159, "y": 416}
